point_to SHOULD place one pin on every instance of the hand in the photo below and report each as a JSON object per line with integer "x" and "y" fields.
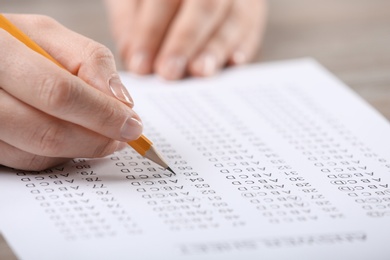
{"x": 49, "y": 114}
{"x": 175, "y": 37}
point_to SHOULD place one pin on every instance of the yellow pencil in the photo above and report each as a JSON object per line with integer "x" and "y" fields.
{"x": 142, "y": 145}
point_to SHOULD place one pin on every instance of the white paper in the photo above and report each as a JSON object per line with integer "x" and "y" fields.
{"x": 276, "y": 161}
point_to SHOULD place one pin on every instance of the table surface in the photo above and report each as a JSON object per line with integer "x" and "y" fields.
{"x": 351, "y": 38}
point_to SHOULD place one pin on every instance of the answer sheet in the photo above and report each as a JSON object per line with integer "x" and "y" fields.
{"x": 274, "y": 161}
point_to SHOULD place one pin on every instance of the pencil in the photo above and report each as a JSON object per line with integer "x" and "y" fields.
{"x": 142, "y": 145}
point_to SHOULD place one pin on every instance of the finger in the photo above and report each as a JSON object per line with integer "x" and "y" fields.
{"x": 37, "y": 133}
{"x": 153, "y": 19}
{"x": 122, "y": 15}
{"x": 81, "y": 56}
{"x": 217, "y": 50}
{"x": 195, "y": 22}
{"x": 247, "y": 49}
{"x": 15, "y": 158}
{"x": 36, "y": 81}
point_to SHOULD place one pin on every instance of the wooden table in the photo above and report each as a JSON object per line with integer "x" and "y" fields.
{"x": 349, "y": 37}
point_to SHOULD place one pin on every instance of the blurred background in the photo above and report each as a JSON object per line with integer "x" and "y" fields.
{"x": 351, "y": 38}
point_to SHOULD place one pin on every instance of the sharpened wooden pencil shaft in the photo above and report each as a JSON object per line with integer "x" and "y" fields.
{"x": 154, "y": 156}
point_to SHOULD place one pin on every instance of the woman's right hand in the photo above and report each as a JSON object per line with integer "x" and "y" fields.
{"x": 49, "y": 114}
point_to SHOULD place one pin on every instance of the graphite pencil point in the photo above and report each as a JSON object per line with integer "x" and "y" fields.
{"x": 169, "y": 169}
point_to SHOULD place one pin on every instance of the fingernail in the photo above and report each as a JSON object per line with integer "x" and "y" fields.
{"x": 119, "y": 91}
{"x": 174, "y": 68}
{"x": 131, "y": 129}
{"x": 139, "y": 63}
{"x": 239, "y": 57}
{"x": 206, "y": 65}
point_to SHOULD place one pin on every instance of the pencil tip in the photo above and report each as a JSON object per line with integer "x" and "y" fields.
{"x": 169, "y": 169}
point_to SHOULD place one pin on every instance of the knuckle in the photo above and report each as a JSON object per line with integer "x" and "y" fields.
{"x": 109, "y": 115}
{"x": 42, "y": 21}
{"x": 97, "y": 52}
{"x": 108, "y": 146}
{"x": 57, "y": 93}
{"x": 33, "y": 162}
{"x": 50, "y": 141}
{"x": 37, "y": 163}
